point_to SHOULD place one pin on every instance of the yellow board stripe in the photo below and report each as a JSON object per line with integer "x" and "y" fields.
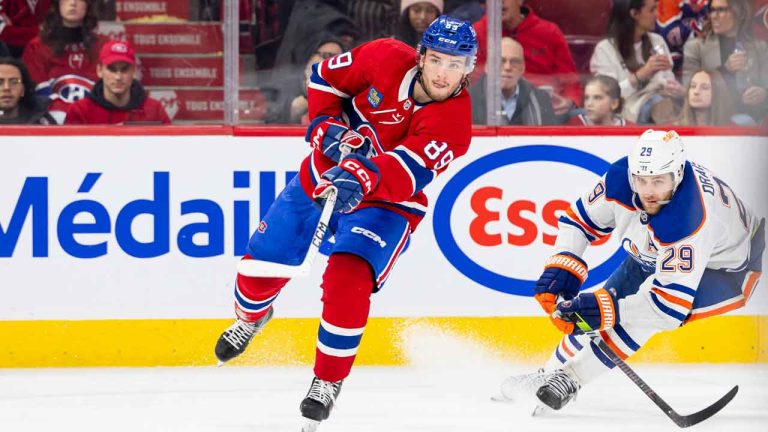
{"x": 292, "y": 341}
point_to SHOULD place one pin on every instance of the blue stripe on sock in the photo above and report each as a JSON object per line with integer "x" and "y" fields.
{"x": 250, "y": 305}
{"x": 575, "y": 342}
{"x": 332, "y": 340}
{"x": 559, "y": 357}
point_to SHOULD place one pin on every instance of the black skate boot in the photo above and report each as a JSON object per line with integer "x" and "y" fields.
{"x": 319, "y": 401}
{"x": 236, "y": 338}
{"x": 558, "y": 389}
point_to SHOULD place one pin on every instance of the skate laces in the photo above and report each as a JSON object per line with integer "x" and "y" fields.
{"x": 561, "y": 384}
{"x": 240, "y": 333}
{"x": 323, "y": 391}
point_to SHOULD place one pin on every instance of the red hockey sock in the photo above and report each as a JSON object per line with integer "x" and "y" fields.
{"x": 254, "y": 295}
{"x": 347, "y": 286}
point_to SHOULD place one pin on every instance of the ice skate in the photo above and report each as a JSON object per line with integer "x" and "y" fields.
{"x": 520, "y": 387}
{"x": 236, "y": 338}
{"x": 558, "y": 389}
{"x": 318, "y": 403}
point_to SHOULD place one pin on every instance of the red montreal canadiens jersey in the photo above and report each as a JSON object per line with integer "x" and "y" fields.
{"x": 374, "y": 83}
{"x": 65, "y": 78}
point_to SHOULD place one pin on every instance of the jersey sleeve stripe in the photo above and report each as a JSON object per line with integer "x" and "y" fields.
{"x": 585, "y": 217}
{"x": 730, "y": 304}
{"x": 676, "y": 287}
{"x": 672, "y": 299}
{"x": 415, "y": 156}
{"x": 421, "y": 175}
{"x": 571, "y": 214}
{"x": 566, "y": 220}
{"x": 665, "y": 309}
{"x": 317, "y": 82}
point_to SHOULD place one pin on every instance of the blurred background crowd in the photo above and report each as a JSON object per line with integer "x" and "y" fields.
{"x": 562, "y": 62}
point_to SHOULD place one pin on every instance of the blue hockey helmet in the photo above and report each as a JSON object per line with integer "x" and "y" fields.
{"x": 453, "y": 37}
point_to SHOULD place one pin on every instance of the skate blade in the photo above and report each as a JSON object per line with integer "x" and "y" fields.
{"x": 540, "y": 410}
{"x": 220, "y": 363}
{"x": 309, "y": 425}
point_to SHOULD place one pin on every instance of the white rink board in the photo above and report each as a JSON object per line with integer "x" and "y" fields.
{"x": 176, "y": 285}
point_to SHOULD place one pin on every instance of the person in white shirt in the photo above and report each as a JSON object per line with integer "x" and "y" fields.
{"x": 640, "y": 61}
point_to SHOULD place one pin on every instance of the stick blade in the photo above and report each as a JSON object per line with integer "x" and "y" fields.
{"x": 695, "y": 418}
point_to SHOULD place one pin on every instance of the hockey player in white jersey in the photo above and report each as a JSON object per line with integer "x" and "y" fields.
{"x": 694, "y": 250}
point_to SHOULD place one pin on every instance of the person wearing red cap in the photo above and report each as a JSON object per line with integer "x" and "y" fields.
{"x": 117, "y": 98}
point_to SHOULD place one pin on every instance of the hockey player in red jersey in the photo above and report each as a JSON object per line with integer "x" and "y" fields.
{"x": 407, "y": 116}
{"x": 62, "y": 59}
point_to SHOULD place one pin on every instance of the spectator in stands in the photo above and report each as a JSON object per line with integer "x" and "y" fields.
{"x": 117, "y": 98}
{"x": 415, "y": 17}
{"x": 62, "y": 59}
{"x": 677, "y": 21}
{"x": 709, "y": 102}
{"x": 726, "y": 44}
{"x": 602, "y": 103}
{"x": 327, "y": 47}
{"x": 640, "y": 61}
{"x": 374, "y": 18}
{"x": 308, "y": 19}
{"x": 18, "y": 103}
{"x": 465, "y": 10}
{"x": 20, "y": 22}
{"x": 521, "y": 102}
{"x": 547, "y": 57}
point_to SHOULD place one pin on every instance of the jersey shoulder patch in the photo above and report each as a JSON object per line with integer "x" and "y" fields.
{"x": 684, "y": 215}
{"x": 617, "y": 187}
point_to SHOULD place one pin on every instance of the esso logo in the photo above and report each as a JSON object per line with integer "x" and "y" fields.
{"x": 496, "y": 219}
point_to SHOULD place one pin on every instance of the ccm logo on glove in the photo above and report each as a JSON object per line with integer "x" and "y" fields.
{"x": 357, "y": 169}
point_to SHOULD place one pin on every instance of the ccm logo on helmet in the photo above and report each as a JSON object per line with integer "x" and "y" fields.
{"x": 480, "y": 223}
{"x": 446, "y": 40}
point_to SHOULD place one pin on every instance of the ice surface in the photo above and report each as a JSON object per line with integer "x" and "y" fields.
{"x": 447, "y": 388}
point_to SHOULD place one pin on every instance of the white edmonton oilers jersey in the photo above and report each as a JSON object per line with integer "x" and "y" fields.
{"x": 705, "y": 225}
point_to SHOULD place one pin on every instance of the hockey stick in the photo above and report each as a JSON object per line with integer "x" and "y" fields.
{"x": 683, "y": 421}
{"x": 256, "y": 268}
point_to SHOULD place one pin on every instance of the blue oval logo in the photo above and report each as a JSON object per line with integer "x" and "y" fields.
{"x": 448, "y": 196}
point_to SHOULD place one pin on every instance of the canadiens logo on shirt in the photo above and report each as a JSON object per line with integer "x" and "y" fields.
{"x": 374, "y": 97}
